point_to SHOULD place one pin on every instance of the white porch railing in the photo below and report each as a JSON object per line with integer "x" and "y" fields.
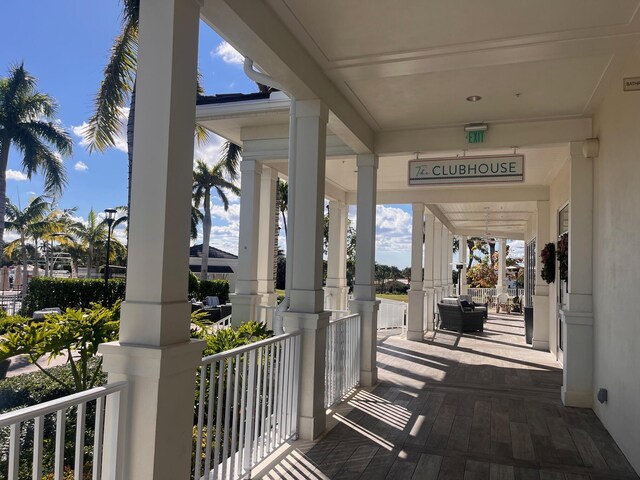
{"x": 27, "y": 427}
{"x": 342, "y": 367}
{"x": 247, "y": 406}
{"x": 392, "y": 314}
{"x": 482, "y": 295}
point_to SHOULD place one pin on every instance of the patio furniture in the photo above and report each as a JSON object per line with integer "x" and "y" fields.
{"x": 502, "y": 302}
{"x": 211, "y": 301}
{"x": 453, "y": 317}
{"x": 478, "y": 307}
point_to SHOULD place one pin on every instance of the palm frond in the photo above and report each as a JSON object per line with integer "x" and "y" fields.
{"x": 230, "y": 158}
{"x": 119, "y": 78}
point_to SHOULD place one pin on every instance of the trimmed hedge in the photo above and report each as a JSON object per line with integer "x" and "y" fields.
{"x": 218, "y": 288}
{"x": 69, "y": 293}
{"x": 34, "y": 388}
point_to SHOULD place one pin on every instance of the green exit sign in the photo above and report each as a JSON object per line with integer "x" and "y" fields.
{"x": 475, "y": 136}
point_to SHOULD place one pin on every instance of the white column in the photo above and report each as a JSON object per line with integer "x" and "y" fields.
{"x": 577, "y": 317}
{"x": 306, "y": 310}
{"x": 415, "y": 322}
{"x": 464, "y": 288}
{"x": 246, "y": 299}
{"x": 444, "y": 276}
{"x": 502, "y": 267}
{"x": 155, "y": 354}
{"x": 541, "y": 320}
{"x": 364, "y": 294}
{"x": 267, "y": 237}
{"x": 437, "y": 259}
{"x": 336, "y": 288}
{"x": 429, "y": 254}
{"x": 449, "y": 262}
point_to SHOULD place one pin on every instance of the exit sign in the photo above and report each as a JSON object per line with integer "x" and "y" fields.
{"x": 475, "y": 137}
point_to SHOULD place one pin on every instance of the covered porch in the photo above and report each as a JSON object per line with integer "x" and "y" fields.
{"x": 472, "y": 406}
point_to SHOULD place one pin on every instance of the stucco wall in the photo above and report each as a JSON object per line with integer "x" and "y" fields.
{"x": 616, "y": 274}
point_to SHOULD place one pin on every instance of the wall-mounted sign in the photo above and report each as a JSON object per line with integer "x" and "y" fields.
{"x": 480, "y": 169}
{"x": 631, "y": 83}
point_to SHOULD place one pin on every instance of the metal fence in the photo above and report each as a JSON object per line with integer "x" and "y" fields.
{"x": 247, "y": 406}
{"x": 342, "y": 367}
{"x": 27, "y": 426}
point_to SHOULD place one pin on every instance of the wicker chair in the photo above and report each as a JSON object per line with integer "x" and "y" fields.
{"x": 452, "y": 317}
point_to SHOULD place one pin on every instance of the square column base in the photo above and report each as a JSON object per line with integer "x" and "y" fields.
{"x": 368, "y": 311}
{"x": 157, "y": 421}
{"x": 577, "y": 371}
{"x": 541, "y": 323}
{"x": 245, "y": 308}
{"x": 312, "y": 417}
{"x": 336, "y": 298}
{"x": 415, "y": 321}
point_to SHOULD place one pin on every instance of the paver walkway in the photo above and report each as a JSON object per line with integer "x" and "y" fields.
{"x": 468, "y": 407}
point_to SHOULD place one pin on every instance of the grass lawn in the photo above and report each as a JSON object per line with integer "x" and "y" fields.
{"x": 399, "y": 297}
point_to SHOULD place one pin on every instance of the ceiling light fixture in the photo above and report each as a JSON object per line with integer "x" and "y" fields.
{"x": 474, "y": 98}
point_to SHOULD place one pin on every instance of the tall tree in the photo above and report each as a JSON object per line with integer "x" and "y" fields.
{"x": 89, "y": 235}
{"x": 283, "y": 201}
{"x": 27, "y": 123}
{"x": 205, "y": 179}
{"x": 27, "y": 223}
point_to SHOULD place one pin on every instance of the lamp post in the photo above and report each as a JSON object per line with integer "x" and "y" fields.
{"x": 110, "y": 216}
{"x": 459, "y": 266}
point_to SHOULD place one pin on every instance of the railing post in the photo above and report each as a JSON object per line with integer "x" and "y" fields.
{"x": 113, "y": 446}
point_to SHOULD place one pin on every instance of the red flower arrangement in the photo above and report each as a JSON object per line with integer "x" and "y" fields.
{"x": 563, "y": 256}
{"x": 548, "y": 256}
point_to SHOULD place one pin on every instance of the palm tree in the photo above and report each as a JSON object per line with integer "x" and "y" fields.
{"x": 283, "y": 201}
{"x": 27, "y": 223}
{"x": 89, "y": 235}
{"x": 26, "y": 124}
{"x": 206, "y": 178}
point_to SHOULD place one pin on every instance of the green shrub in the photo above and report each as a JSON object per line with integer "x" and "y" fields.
{"x": 34, "y": 388}
{"x": 217, "y": 288}
{"x": 9, "y": 323}
{"x": 69, "y": 293}
{"x": 194, "y": 285}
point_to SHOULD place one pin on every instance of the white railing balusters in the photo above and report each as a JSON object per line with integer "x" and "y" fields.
{"x": 255, "y": 404}
{"x": 78, "y": 470}
{"x": 38, "y": 439}
{"x": 392, "y": 314}
{"x": 342, "y": 368}
{"x": 61, "y": 407}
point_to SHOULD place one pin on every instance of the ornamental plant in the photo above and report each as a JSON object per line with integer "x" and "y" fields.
{"x": 563, "y": 256}
{"x": 548, "y": 256}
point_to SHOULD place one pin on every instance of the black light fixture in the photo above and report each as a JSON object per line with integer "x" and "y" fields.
{"x": 459, "y": 266}
{"x": 109, "y": 218}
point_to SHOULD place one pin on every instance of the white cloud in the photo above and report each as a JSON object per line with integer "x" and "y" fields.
{"x": 228, "y": 54}
{"x": 516, "y": 248}
{"x": 393, "y": 229}
{"x": 80, "y": 167}
{"x": 121, "y": 135}
{"x": 16, "y": 175}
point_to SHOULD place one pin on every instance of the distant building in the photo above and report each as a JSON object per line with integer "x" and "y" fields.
{"x": 222, "y": 265}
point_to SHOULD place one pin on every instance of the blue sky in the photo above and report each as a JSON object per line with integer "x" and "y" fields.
{"x": 65, "y": 45}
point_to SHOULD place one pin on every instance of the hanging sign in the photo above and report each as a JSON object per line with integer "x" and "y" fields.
{"x": 479, "y": 169}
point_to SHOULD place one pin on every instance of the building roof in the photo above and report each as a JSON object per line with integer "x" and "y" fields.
{"x": 196, "y": 251}
{"x": 230, "y": 97}
{"x": 212, "y": 268}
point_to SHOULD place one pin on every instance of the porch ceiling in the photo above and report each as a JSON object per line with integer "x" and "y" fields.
{"x": 413, "y": 65}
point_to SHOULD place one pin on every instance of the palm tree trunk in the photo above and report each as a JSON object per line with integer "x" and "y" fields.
{"x": 206, "y": 234}
{"x": 284, "y": 222}
{"x": 89, "y": 260}
{"x": 25, "y": 272}
{"x": 130, "y": 123}
{"x": 4, "y": 160}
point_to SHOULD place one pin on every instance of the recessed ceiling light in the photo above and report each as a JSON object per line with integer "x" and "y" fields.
{"x": 474, "y": 98}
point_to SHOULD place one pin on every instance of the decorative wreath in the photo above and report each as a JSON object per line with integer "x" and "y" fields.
{"x": 563, "y": 256}
{"x": 548, "y": 256}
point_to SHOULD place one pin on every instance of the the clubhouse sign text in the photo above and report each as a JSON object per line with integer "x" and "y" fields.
{"x": 485, "y": 169}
